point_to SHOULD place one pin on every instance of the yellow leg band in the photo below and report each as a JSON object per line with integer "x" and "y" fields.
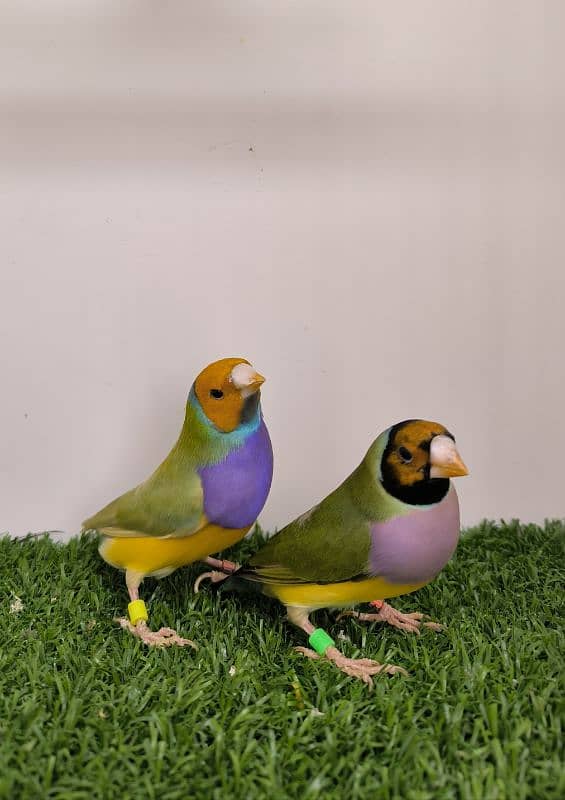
{"x": 137, "y": 611}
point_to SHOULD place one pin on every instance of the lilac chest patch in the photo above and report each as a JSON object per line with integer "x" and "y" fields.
{"x": 235, "y": 490}
{"x": 414, "y": 548}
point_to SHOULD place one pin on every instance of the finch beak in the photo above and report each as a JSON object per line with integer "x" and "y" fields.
{"x": 445, "y": 460}
{"x": 246, "y": 379}
{"x": 256, "y": 382}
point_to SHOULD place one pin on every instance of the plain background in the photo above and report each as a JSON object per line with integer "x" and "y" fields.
{"x": 365, "y": 199}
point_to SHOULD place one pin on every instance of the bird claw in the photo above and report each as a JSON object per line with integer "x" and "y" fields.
{"x": 164, "y": 637}
{"x": 215, "y": 576}
{"x": 410, "y": 623}
{"x": 361, "y": 668}
{"x": 305, "y": 651}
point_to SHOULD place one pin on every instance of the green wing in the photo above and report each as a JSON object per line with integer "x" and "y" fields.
{"x": 329, "y": 543}
{"x": 169, "y": 503}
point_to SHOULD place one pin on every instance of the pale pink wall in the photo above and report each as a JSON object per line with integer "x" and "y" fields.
{"x": 392, "y": 245}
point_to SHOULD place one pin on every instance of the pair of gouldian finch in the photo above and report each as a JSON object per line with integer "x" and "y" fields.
{"x": 387, "y": 530}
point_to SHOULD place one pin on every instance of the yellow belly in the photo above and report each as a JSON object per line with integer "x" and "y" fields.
{"x": 149, "y": 555}
{"x": 348, "y": 593}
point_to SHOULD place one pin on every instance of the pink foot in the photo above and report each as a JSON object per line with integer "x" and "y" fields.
{"x": 361, "y": 668}
{"x": 215, "y": 576}
{"x": 411, "y": 623}
{"x": 164, "y": 637}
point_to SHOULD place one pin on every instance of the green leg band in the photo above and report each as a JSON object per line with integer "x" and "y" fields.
{"x": 319, "y": 641}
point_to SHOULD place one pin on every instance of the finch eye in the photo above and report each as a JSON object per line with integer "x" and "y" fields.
{"x": 217, "y": 393}
{"x": 405, "y": 454}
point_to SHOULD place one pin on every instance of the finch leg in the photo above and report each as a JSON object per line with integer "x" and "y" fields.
{"x": 361, "y": 668}
{"x": 164, "y": 637}
{"x": 411, "y": 623}
{"x": 224, "y": 566}
{"x": 221, "y": 570}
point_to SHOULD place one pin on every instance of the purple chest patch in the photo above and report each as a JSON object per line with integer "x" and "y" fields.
{"x": 235, "y": 490}
{"x": 414, "y": 548}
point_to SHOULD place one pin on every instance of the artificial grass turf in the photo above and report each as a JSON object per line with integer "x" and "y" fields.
{"x": 89, "y": 712}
